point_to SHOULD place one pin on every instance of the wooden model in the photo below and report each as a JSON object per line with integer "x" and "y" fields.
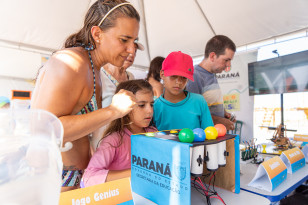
{"x": 280, "y": 137}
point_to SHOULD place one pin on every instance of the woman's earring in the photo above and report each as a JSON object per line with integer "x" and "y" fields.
{"x": 161, "y": 81}
{"x": 97, "y": 41}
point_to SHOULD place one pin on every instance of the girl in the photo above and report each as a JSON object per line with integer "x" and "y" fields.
{"x": 112, "y": 159}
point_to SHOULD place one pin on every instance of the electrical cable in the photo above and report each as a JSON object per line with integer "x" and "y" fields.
{"x": 206, "y": 190}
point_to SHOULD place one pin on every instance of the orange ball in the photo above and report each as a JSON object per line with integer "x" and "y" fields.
{"x": 221, "y": 129}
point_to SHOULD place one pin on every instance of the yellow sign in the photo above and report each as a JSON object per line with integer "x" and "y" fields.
{"x": 299, "y": 137}
{"x": 114, "y": 192}
{"x": 232, "y": 102}
{"x": 294, "y": 155}
{"x": 274, "y": 166}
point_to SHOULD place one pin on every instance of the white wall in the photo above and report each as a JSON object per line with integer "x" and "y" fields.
{"x": 18, "y": 63}
{"x": 7, "y": 84}
{"x": 17, "y": 70}
{"x": 239, "y": 85}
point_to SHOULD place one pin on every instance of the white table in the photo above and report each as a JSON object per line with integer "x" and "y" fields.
{"x": 229, "y": 198}
{"x": 292, "y": 182}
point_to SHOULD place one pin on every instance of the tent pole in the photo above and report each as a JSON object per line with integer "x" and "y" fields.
{"x": 206, "y": 19}
{"x": 145, "y": 30}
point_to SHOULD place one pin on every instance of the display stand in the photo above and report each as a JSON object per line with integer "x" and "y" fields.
{"x": 286, "y": 187}
{"x": 294, "y": 159}
{"x": 270, "y": 174}
{"x": 162, "y": 165}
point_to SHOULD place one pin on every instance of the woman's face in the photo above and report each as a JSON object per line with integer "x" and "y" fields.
{"x": 142, "y": 114}
{"x": 130, "y": 60}
{"x": 118, "y": 42}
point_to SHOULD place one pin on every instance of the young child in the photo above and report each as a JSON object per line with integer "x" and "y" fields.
{"x": 112, "y": 159}
{"x": 177, "y": 108}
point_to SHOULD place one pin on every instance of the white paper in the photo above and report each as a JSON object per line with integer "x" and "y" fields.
{"x": 261, "y": 180}
{"x": 286, "y": 161}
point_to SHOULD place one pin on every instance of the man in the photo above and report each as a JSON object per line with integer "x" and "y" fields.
{"x": 219, "y": 52}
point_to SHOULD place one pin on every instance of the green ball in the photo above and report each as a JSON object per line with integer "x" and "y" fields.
{"x": 186, "y": 135}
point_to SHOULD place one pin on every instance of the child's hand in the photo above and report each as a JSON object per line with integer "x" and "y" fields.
{"x": 123, "y": 102}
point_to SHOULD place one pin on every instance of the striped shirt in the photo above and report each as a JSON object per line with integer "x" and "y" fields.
{"x": 206, "y": 84}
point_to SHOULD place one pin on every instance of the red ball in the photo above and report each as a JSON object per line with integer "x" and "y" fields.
{"x": 222, "y": 130}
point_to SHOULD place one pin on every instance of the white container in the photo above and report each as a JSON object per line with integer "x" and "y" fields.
{"x": 30, "y": 159}
{"x": 212, "y": 155}
{"x": 197, "y": 160}
{"x": 20, "y": 104}
{"x": 221, "y": 153}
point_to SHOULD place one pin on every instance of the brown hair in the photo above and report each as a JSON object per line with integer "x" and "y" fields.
{"x": 93, "y": 17}
{"x": 155, "y": 67}
{"x": 218, "y": 45}
{"x": 119, "y": 124}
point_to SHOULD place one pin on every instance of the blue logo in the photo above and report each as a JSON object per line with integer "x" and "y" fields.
{"x": 179, "y": 172}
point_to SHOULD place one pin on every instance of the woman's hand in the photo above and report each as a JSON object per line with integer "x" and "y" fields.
{"x": 123, "y": 102}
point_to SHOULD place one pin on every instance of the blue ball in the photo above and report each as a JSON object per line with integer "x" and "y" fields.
{"x": 199, "y": 135}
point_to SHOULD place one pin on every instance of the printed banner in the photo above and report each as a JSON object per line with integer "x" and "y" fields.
{"x": 294, "y": 159}
{"x": 161, "y": 170}
{"x": 114, "y": 192}
{"x": 269, "y": 174}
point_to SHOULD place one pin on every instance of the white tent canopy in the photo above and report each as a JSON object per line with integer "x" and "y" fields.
{"x": 166, "y": 25}
{"x": 32, "y": 28}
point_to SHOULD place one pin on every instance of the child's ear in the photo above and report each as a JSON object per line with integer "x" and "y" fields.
{"x": 161, "y": 74}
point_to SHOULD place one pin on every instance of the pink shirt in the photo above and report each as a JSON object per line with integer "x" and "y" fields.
{"x": 110, "y": 156}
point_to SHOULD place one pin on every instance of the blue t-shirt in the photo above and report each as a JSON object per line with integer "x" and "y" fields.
{"x": 192, "y": 112}
{"x": 206, "y": 84}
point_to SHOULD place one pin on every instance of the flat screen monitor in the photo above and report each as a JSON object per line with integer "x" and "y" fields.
{"x": 283, "y": 74}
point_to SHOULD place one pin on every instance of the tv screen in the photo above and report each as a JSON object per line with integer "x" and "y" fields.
{"x": 283, "y": 74}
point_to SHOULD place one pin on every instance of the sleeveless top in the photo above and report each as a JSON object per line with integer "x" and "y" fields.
{"x": 92, "y": 104}
{"x": 109, "y": 85}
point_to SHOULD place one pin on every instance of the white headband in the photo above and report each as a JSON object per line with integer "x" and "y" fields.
{"x": 127, "y": 3}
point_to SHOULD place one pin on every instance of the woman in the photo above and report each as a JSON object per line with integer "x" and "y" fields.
{"x": 69, "y": 86}
{"x": 112, "y": 75}
{"x": 153, "y": 76}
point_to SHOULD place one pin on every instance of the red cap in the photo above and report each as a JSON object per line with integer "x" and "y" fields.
{"x": 178, "y": 63}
